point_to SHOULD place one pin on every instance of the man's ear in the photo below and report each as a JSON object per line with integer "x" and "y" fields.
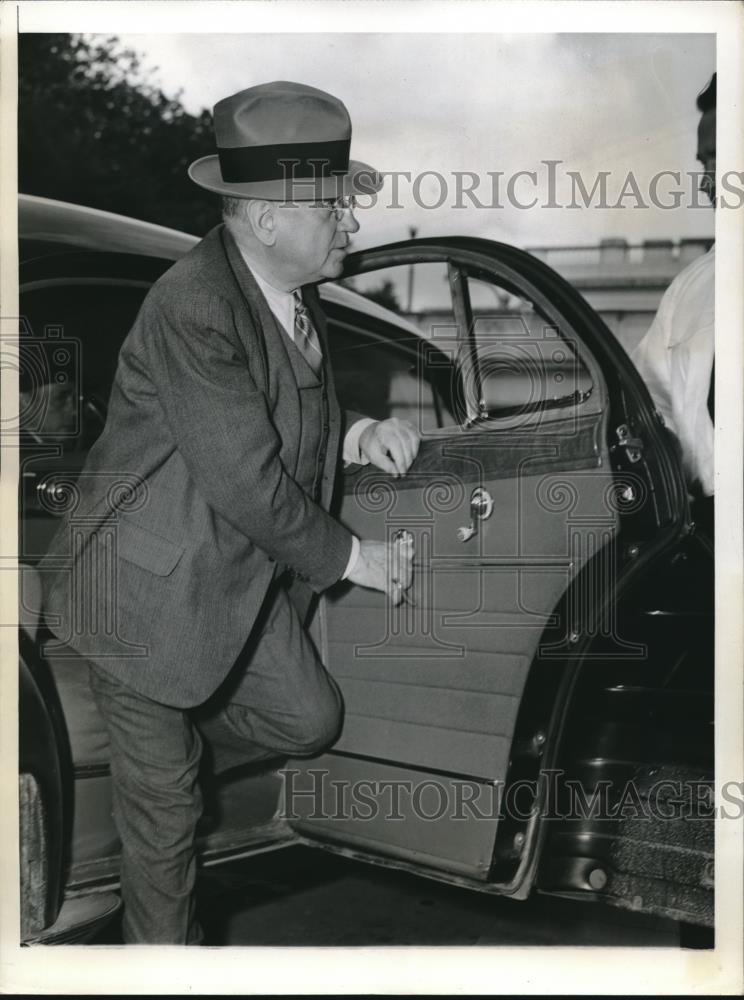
{"x": 262, "y": 221}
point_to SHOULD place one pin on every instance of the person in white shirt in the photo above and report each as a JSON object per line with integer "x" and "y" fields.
{"x": 676, "y": 356}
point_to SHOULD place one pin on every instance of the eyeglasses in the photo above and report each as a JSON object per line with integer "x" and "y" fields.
{"x": 344, "y": 203}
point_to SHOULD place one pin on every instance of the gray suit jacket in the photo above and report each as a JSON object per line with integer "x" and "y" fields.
{"x": 187, "y": 503}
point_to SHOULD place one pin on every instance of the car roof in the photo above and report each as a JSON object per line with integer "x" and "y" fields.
{"x": 77, "y": 227}
{"x": 81, "y": 228}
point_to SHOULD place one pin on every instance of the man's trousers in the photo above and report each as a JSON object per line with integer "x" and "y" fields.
{"x": 278, "y": 701}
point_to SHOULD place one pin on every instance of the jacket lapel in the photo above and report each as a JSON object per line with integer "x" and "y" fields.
{"x": 263, "y": 319}
{"x": 274, "y": 345}
{"x": 275, "y": 339}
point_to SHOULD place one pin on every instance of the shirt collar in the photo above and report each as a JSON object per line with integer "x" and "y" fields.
{"x": 280, "y": 302}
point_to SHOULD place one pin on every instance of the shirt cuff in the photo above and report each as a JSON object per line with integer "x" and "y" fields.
{"x": 351, "y": 442}
{"x": 355, "y": 547}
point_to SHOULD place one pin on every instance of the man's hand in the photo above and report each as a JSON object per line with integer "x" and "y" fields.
{"x": 391, "y": 445}
{"x": 386, "y": 566}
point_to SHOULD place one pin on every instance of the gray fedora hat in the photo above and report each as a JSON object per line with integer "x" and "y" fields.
{"x": 283, "y": 141}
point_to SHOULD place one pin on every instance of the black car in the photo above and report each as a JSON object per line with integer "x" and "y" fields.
{"x": 539, "y": 717}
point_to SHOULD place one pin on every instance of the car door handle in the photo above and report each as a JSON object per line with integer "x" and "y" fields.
{"x": 481, "y": 508}
{"x": 405, "y": 537}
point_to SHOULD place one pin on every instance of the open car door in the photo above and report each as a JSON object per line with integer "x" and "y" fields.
{"x": 531, "y": 461}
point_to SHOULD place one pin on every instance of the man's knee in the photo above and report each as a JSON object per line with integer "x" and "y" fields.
{"x": 304, "y": 727}
{"x": 320, "y": 725}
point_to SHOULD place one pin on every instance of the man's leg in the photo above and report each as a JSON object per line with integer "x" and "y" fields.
{"x": 155, "y": 754}
{"x": 282, "y": 701}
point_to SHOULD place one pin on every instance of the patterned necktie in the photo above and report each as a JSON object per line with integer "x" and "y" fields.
{"x": 306, "y": 337}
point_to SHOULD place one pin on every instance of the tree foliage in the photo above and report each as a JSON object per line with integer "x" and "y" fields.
{"x": 95, "y": 130}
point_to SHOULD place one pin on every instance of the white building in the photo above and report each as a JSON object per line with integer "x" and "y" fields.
{"x": 622, "y": 281}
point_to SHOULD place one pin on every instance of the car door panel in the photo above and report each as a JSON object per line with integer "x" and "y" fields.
{"x": 387, "y": 826}
{"x": 433, "y": 690}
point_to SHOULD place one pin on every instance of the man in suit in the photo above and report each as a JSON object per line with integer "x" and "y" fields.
{"x": 200, "y": 526}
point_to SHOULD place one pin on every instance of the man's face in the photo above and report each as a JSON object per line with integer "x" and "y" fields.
{"x": 312, "y": 242}
{"x": 706, "y": 152}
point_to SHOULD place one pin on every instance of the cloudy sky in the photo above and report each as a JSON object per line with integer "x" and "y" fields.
{"x": 484, "y": 103}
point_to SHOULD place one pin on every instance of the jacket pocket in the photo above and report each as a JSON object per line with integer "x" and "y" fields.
{"x": 139, "y": 545}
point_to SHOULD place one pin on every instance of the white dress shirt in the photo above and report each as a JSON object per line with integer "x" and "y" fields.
{"x": 282, "y": 305}
{"x": 675, "y": 359}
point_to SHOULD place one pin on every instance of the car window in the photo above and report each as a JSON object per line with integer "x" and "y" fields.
{"x": 415, "y": 291}
{"x": 69, "y": 346}
{"x": 509, "y": 357}
{"x": 419, "y": 294}
{"x": 401, "y": 362}
{"x": 526, "y": 361}
{"x": 382, "y": 379}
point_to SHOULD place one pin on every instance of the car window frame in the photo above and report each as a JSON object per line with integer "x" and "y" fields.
{"x": 462, "y": 254}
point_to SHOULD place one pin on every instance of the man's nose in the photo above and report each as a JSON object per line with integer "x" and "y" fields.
{"x": 348, "y": 221}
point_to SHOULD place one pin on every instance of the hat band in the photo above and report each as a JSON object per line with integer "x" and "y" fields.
{"x": 284, "y": 161}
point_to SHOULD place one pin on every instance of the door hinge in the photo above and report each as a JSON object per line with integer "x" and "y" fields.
{"x": 633, "y": 445}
